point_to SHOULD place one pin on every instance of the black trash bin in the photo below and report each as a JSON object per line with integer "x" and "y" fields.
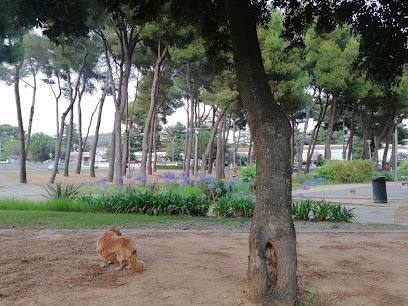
{"x": 379, "y": 189}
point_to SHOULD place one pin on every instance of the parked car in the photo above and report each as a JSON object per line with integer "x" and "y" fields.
{"x": 51, "y": 167}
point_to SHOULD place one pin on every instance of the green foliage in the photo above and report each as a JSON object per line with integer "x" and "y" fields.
{"x": 8, "y": 132}
{"x": 60, "y": 191}
{"x": 248, "y": 174}
{"x": 300, "y": 180}
{"x": 41, "y": 146}
{"x": 355, "y": 171}
{"x": 321, "y": 211}
{"x": 150, "y": 203}
{"x": 403, "y": 165}
{"x": 236, "y": 205}
{"x": 301, "y": 210}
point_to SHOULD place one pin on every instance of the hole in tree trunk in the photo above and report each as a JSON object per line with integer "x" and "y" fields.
{"x": 271, "y": 267}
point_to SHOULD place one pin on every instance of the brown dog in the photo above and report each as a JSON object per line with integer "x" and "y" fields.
{"x": 112, "y": 245}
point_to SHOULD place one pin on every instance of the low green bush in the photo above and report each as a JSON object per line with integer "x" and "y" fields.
{"x": 355, "y": 171}
{"x": 403, "y": 166}
{"x": 321, "y": 211}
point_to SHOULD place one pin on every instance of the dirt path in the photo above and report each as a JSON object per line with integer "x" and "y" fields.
{"x": 57, "y": 267}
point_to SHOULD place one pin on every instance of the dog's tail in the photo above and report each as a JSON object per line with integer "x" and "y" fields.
{"x": 136, "y": 265}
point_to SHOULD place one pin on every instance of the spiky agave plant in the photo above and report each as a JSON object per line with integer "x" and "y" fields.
{"x": 60, "y": 191}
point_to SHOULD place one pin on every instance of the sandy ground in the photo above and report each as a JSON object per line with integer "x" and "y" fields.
{"x": 57, "y": 267}
{"x": 61, "y": 267}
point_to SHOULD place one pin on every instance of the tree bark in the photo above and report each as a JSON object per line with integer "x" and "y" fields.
{"x": 272, "y": 242}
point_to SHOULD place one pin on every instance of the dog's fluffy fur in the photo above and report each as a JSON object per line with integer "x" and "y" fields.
{"x": 112, "y": 245}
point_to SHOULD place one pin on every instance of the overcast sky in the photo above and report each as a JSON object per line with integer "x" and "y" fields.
{"x": 44, "y": 116}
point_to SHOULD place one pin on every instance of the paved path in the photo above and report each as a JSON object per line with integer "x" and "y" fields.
{"x": 11, "y": 188}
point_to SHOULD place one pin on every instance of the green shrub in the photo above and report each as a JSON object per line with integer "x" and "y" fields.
{"x": 301, "y": 210}
{"x": 403, "y": 165}
{"x": 355, "y": 171}
{"x": 150, "y": 203}
{"x": 248, "y": 174}
{"x": 237, "y": 205}
{"x": 321, "y": 211}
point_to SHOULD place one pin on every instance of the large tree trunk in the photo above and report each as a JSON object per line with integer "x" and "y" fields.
{"x": 210, "y": 144}
{"x": 333, "y": 113}
{"x": 272, "y": 242}
{"x": 152, "y": 109}
{"x": 23, "y": 172}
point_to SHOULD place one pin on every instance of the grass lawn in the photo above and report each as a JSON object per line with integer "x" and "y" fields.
{"x": 77, "y": 220}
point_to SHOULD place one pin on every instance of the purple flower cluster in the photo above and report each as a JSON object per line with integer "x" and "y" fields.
{"x": 316, "y": 182}
{"x": 169, "y": 177}
{"x": 239, "y": 194}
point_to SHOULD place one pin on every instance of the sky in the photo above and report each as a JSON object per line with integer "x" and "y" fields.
{"x": 44, "y": 116}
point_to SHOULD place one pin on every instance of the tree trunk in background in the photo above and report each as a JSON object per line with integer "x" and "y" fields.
{"x": 220, "y": 155}
{"x": 210, "y": 144}
{"x": 272, "y": 241}
{"x": 190, "y": 126}
{"x": 30, "y": 120}
{"x": 210, "y": 153}
{"x": 69, "y": 143}
{"x": 151, "y": 142}
{"x": 352, "y": 132}
{"x": 152, "y": 109}
{"x": 315, "y": 133}
{"x": 80, "y": 141}
{"x": 98, "y": 124}
{"x": 385, "y": 131}
{"x": 364, "y": 153}
{"x": 302, "y": 140}
{"x": 387, "y": 146}
{"x": 154, "y": 145}
{"x": 292, "y": 143}
{"x": 392, "y": 158}
{"x": 333, "y": 113}
{"x": 23, "y": 157}
{"x": 249, "y": 150}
